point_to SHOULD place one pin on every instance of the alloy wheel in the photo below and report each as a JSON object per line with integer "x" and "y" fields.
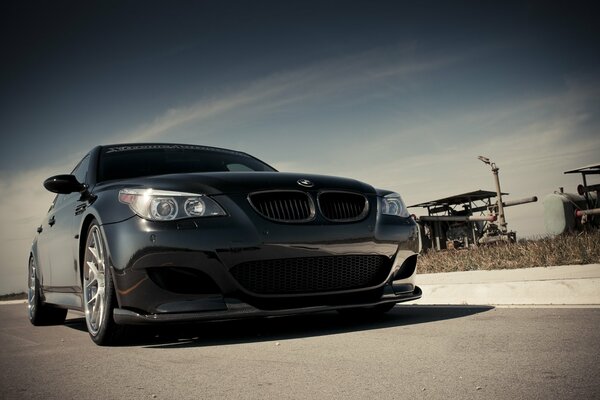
{"x": 32, "y": 289}
{"x": 94, "y": 281}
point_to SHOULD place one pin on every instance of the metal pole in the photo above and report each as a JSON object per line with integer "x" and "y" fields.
{"x": 458, "y": 218}
{"x": 509, "y": 203}
{"x": 593, "y": 211}
{"x": 501, "y": 219}
{"x": 587, "y": 198}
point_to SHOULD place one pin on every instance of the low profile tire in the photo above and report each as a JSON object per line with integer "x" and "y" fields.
{"x": 40, "y": 313}
{"x": 99, "y": 298}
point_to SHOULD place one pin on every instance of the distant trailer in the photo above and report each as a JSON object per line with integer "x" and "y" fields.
{"x": 463, "y": 220}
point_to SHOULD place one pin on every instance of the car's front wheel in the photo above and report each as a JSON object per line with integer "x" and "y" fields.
{"x": 40, "y": 313}
{"x": 99, "y": 298}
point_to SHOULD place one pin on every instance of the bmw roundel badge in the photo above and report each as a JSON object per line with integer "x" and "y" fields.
{"x": 305, "y": 183}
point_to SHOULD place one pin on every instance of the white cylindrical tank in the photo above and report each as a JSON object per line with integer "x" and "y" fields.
{"x": 559, "y": 212}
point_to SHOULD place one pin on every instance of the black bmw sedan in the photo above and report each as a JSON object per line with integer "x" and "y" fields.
{"x": 160, "y": 233}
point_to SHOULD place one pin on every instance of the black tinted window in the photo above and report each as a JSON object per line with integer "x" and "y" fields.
{"x": 122, "y": 162}
{"x": 81, "y": 170}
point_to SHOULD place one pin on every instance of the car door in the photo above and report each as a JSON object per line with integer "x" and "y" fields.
{"x": 63, "y": 222}
{"x": 42, "y": 239}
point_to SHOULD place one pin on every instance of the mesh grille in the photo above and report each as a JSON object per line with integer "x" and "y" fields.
{"x": 283, "y": 206}
{"x": 338, "y": 206}
{"x": 312, "y": 274}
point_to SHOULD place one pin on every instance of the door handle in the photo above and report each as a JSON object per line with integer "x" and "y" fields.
{"x": 51, "y": 221}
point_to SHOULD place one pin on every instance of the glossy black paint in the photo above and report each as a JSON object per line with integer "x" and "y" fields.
{"x": 140, "y": 251}
{"x": 63, "y": 184}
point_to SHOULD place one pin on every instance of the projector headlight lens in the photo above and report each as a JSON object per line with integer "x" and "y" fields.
{"x": 392, "y": 204}
{"x": 161, "y": 205}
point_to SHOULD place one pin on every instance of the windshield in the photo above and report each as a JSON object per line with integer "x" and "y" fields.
{"x": 131, "y": 161}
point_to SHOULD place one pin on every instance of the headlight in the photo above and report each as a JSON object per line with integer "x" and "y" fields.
{"x": 392, "y": 204}
{"x": 161, "y": 205}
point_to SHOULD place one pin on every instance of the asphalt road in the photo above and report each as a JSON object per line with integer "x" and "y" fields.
{"x": 413, "y": 352}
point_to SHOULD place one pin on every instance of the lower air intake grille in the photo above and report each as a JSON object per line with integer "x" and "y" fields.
{"x": 312, "y": 274}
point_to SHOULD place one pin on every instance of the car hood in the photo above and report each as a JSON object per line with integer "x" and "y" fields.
{"x": 213, "y": 183}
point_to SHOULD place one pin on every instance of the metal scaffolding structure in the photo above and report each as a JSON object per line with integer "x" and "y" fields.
{"x": 464, "y": 220}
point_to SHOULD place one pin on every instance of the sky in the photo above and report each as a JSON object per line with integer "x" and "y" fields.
{"x": 403, "y": 95}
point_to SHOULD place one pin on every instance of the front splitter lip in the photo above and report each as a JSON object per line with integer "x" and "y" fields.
{"x": 240, "y": 310}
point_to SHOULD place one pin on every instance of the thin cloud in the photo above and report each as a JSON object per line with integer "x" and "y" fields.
{"x": 314, "y": 82}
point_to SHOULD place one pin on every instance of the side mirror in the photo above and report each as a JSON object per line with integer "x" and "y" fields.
{"x": 63, "y": 184}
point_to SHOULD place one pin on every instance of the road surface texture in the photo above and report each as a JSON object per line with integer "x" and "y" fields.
{"x": 413, "y": 352}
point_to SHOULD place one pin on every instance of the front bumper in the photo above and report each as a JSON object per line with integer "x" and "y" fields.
{"x": 141, "y": 251}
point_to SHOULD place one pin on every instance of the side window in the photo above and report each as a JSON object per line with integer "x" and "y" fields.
{"x": 238, "y": 167}
{"x": 81, "y": 169}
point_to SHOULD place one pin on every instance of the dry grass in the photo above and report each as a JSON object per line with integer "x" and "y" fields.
{"x": 583, "y": 248}
{"x": 13, "y": 296}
